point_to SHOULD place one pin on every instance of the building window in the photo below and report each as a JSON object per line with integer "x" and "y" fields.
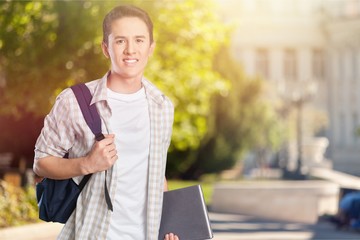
{"x": 290, "y": 65}
{"x": 262, "y": 63}
{"x": 318, "y": 64}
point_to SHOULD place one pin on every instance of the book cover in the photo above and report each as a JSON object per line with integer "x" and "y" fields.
{"x": 185, "y": 214}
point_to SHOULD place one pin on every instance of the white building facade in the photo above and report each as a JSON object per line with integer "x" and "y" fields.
{"x": 294, "y": 44}
{"x": 342, "y": 29}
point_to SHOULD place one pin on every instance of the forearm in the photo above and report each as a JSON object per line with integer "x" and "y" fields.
{"x": 101, "y": 157}
{"x": 60, "y": 168}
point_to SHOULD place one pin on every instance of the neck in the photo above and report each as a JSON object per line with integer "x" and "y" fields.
{"x": 123, "y": 85}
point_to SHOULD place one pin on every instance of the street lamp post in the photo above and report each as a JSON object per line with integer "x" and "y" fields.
{"x": 299, "y": 135}
{"x": 297, "y": 95}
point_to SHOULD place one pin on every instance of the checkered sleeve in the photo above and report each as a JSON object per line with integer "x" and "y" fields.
{"x": 169, "y": 119}
{"x": 57, "y": 135}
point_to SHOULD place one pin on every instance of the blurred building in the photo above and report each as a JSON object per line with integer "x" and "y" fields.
{"x": 308, "y": 51}
{"x": 342, "y": 31}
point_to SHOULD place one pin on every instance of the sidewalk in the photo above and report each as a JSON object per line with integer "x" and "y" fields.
{"x": 225, "y": 227}
{"x": 37, "y": 231}
{"x": 240, "y": 227}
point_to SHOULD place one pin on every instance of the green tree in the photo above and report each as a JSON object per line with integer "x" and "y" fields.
{"x": 188, "y": 35}
{"x": 44, "y": 47}
{"x": 241, "y": 121}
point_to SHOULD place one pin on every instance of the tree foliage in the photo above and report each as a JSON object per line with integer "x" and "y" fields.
{"x": 188, "y": 35}
{"x": 44, "y": 47}
{"x": 17, "y": 205}
{"x": 241, "y": 121}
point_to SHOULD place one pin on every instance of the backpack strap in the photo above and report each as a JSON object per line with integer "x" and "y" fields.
{"x": 93, "y": 120}
{"x": 91, "y": 115}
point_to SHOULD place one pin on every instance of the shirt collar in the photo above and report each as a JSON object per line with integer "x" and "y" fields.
{"x": 100, "y": 93}
{"x": 152, "y": 92}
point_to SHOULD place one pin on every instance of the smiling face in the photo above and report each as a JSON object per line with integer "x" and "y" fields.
{"x": 128, "y": 47}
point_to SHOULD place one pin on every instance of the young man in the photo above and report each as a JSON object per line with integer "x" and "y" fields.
{"x": 137, "y": 123}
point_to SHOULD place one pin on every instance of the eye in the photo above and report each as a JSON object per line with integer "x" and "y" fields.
{"x": 139, "y": 40}
{"x": 120, "y": 41}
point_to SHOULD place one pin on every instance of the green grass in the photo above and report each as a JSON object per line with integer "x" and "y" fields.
{"x": 207, "y": 187}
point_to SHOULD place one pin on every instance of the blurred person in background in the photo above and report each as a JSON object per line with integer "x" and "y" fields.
{"x": 348, "y": 215}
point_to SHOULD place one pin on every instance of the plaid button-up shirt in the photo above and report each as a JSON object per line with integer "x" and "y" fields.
{"x": 65, "y": 130}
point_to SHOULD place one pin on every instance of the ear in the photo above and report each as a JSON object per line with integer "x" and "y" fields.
{"x": 105, "y": 50}
{"x": 152, "y": 48}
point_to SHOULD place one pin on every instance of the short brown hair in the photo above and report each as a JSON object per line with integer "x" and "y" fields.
{"x": 126, "y": 11}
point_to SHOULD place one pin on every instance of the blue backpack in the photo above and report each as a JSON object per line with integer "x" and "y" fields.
{"x": 57, "y": 198}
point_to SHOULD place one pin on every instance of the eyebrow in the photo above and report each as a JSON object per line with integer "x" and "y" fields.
{"x": 123, "y": 37}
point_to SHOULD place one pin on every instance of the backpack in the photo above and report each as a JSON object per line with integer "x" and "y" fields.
{"x": 57, "y": 198}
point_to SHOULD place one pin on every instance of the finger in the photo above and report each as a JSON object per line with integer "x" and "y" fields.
{"x": 106, "y": 141}
{"x": 109, "y": 135}
{"x": 166, "y": 237}
{"x": 173, "y": 237}
{"x": 108, "y": 138}
{"x": 109, "y": 148}
{"x": 113, "y": 153}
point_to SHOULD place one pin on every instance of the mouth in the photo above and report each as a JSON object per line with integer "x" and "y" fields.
{"x": 133, "y": 60}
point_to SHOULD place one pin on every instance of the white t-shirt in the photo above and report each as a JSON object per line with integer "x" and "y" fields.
{"x": 130, "y": 123}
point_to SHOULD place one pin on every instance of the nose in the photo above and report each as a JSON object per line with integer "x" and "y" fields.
{"x": 129, "y": 49}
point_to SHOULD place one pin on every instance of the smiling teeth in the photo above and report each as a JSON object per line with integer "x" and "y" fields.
{"x": 130, "y": 60}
